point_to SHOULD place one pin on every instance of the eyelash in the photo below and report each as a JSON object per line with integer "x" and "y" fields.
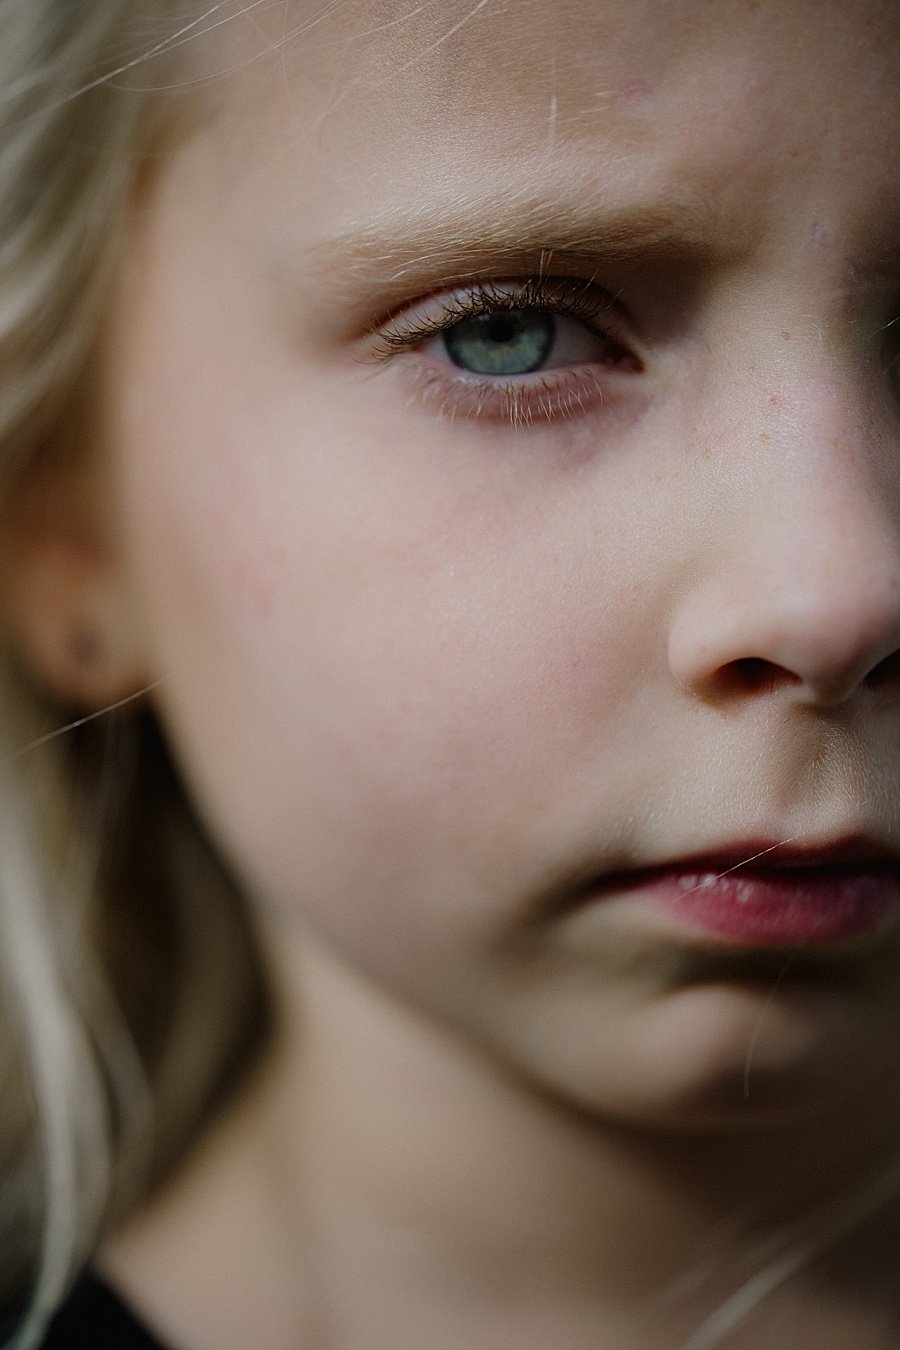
{"x": 521, "y": 400}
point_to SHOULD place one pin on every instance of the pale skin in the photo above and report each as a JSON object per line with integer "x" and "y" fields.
{"x": 421, "y": 665}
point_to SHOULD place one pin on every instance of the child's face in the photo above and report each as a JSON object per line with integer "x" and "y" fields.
{"x": 440, "y": 647}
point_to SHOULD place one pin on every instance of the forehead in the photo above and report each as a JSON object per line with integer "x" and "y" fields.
{"x": 349, "y": 108}
{"x": 465, "y": 60}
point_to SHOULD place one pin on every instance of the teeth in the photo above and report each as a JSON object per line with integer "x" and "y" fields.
{"x": 696, "y": 881}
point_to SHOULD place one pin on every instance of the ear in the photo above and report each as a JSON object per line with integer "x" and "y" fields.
{"x": 63, "y": 595}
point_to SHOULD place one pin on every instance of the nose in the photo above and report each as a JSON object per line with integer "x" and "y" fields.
{"x": 799, "y": 592}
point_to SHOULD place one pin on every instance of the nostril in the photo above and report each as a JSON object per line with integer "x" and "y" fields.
{"x": 886, "y": 672}
{"x": 754, "y": 675}
{"x": 813, "y": 642}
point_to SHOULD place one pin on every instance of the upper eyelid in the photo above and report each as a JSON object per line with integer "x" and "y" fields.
{"x": 581, "y": 298}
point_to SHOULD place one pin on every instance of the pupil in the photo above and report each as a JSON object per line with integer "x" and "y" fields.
{"x": 512, "y": 342}
{"x": 501, "y": 327}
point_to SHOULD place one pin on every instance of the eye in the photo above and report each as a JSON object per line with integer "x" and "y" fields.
{"x": 515, "y": 352}
{"x": 518, "y": 342}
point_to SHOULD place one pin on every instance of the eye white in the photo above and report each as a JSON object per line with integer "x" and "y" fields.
{"x": 507, "y": 343}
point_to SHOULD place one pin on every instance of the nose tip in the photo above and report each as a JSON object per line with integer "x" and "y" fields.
{"x": 791, "y": 580}
{"x": 815, "y": 637}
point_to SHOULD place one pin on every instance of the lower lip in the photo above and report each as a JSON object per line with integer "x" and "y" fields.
{"x": 769, "y": 908}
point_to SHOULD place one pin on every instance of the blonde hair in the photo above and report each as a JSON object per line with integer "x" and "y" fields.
{"x": 130, "y": 989}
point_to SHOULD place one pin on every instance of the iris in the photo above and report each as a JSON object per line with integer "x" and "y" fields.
{"x": 510, "y": 342}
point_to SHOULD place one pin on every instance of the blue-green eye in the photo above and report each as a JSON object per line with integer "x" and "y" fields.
{"x": 505, "y": 342}
{"x": 515, "y": 351}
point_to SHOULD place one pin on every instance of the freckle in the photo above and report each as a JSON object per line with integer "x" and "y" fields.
{"x": 636, "y": 95}
{"x": 764, "y": 436}
{"x": 775, "y": 401}
{"x": 786, "y": 335}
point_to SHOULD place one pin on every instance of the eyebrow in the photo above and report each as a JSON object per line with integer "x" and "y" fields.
{"x": 403, "y": 249}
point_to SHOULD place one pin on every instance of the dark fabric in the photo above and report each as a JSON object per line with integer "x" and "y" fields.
{"x": 93, "y": 1318}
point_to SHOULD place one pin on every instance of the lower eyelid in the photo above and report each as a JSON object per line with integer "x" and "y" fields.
{"x": 546, "y": 396}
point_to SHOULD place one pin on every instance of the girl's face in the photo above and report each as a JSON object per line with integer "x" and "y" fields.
{"x": 461, "y": 638}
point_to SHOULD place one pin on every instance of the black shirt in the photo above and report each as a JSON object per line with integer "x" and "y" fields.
{"x": 94, "y": 1318}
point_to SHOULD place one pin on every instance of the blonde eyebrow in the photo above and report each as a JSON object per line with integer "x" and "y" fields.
{"x": 402, "y": 249}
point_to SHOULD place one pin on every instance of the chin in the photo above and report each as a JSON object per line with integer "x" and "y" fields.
{"x": 728, "y": 1057}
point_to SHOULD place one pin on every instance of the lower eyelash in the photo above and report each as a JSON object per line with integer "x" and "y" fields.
{"x": 516, "y": 403}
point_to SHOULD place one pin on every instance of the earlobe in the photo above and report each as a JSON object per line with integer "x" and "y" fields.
{"x": 65, "y": 606}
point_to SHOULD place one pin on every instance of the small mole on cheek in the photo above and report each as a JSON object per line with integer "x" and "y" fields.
{"x": 786, "y": 335}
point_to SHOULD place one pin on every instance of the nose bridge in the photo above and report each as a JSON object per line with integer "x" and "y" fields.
{"x": 802, "y": 587}
{"x": 819, "y": 480}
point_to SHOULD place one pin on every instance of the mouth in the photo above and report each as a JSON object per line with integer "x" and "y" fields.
{"x": 769, "y": 895}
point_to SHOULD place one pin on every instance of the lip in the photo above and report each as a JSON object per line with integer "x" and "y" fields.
{"x": 812, "y": 896}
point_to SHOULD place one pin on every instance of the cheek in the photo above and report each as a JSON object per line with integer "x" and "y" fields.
{"x": 372, "y": 689}
{"x": 384, "y": 670}
{"x": 383, "y": 686}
